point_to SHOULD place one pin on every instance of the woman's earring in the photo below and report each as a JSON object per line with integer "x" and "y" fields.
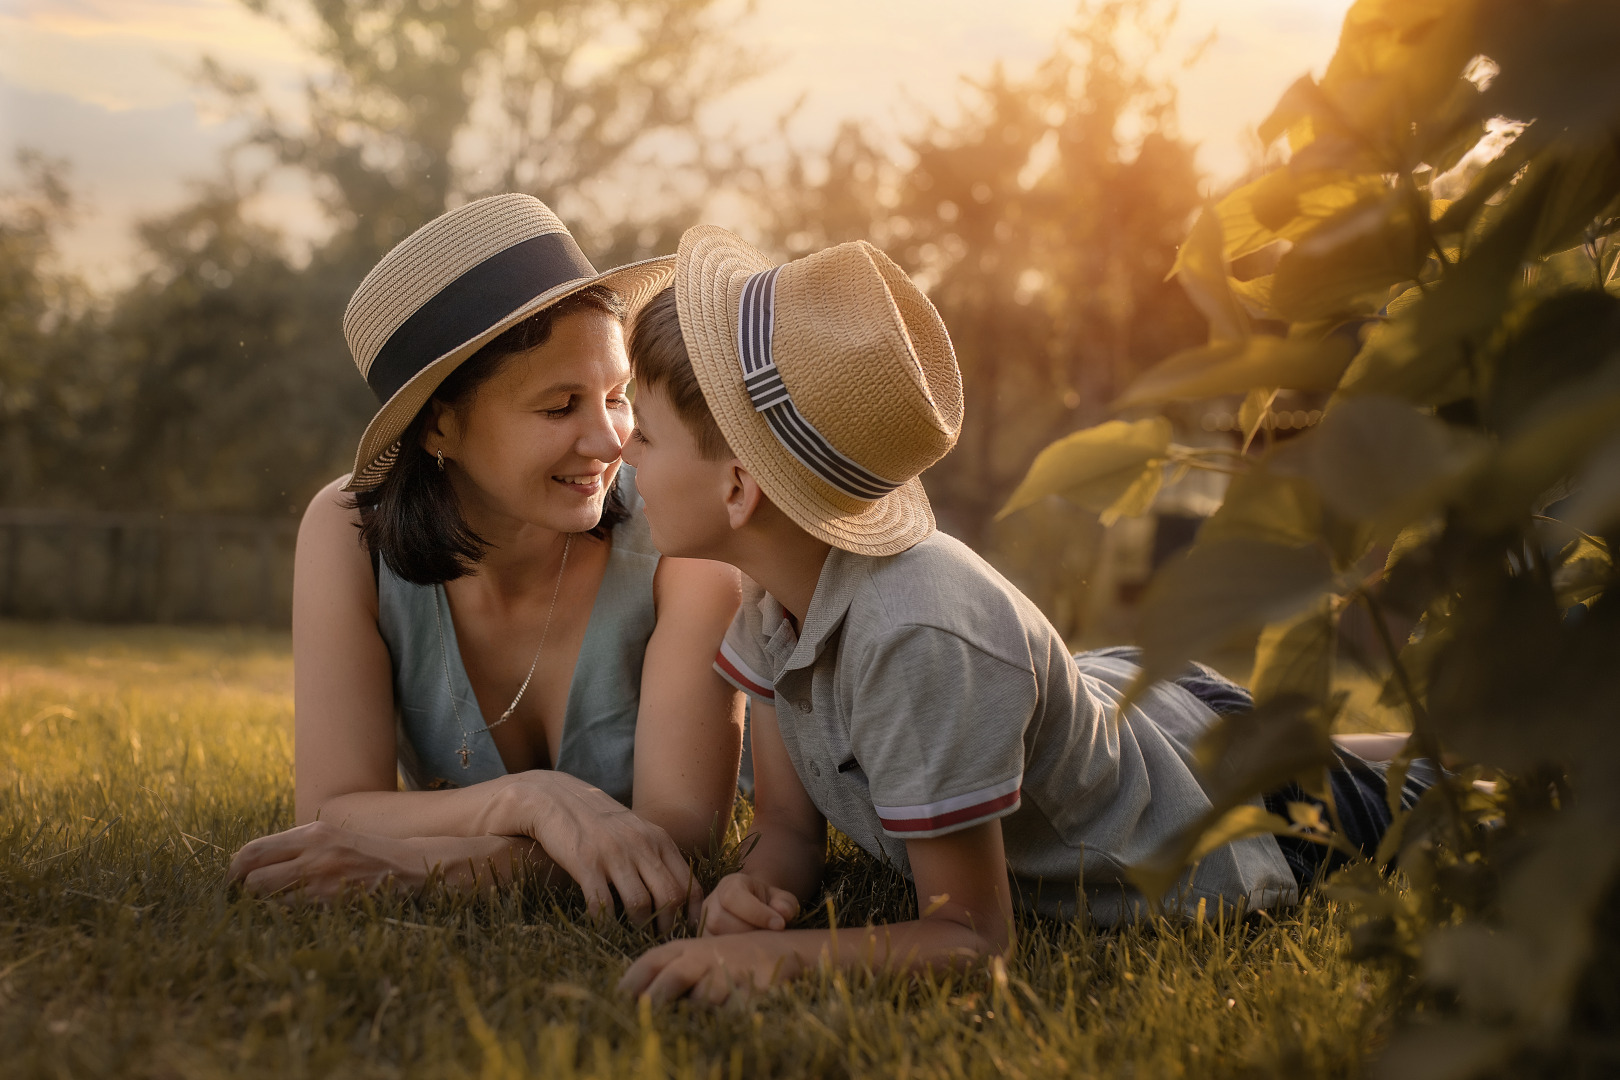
{"x": 441, "y": 461}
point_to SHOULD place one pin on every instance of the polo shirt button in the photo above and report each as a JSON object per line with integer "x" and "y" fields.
{"x": 814, "y": 768}
{"x": 804, "y": 706}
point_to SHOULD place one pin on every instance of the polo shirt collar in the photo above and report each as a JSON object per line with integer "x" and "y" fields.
{"x": 835, "y": 589}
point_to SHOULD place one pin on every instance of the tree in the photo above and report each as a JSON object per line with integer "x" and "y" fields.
{"x": 51, "y": 366}
{"x": 1464, "y": 312}
{"x": 423, "y": 103}
{"x": 224, "y": 383}
{"x": 1043, "y": 230}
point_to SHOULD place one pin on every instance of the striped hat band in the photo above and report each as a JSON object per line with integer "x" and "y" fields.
{"x": 770, "y": 397}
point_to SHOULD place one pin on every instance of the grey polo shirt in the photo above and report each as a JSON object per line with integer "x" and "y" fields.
{"x": 925, "y": 694}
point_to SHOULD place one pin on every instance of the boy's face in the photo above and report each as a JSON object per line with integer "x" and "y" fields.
{"x": 684, "y": 492}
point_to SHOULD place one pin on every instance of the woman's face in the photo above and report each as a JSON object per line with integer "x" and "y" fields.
{"x": 539, "y": 442}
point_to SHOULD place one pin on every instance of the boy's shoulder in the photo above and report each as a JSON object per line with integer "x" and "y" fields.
{"x": 942, "y": 584}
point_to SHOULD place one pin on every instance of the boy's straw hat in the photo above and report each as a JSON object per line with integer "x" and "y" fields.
{"x": 450, "y": 288}
{"x": 831, "y": 377}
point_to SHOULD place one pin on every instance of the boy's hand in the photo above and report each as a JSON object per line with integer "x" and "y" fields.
{"x": 741, "y": 903}
{"x": 712, "y": 970}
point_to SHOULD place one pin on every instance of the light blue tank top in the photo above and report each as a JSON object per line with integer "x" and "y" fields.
{"x": 599, "y": 725}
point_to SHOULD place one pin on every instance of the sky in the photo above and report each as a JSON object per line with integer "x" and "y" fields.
{"x": 109, "y": 84}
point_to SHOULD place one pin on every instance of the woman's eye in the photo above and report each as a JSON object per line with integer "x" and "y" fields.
{"x": 618, "y": 402}
{"x": 561, "y": 411}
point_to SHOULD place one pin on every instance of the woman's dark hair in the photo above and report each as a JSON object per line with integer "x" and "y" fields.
{"x": 412, "y": 520}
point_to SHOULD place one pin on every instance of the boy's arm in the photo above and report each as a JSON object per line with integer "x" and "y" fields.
{"x": 962, "y": 893}
{"x": 787, "y": 845}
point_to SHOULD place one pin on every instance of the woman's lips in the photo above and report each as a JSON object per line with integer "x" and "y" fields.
{"x": 583, "y": 485}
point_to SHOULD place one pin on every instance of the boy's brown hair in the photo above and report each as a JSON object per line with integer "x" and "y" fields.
{"x": 658, "y": 358}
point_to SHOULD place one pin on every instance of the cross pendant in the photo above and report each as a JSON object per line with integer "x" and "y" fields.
{"x": 465, "y": 754}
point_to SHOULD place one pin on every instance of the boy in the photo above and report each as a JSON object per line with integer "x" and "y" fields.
{"x": 901, "y": 688}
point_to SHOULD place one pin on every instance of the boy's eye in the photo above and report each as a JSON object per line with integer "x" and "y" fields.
{"x": 635, "y": 433}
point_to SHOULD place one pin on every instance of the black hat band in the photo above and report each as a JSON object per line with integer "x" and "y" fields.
{"x": 473, "y": 303}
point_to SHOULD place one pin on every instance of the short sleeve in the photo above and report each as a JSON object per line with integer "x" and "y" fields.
{"x": 741, "y": 659}
{"x": 938, "y": 728}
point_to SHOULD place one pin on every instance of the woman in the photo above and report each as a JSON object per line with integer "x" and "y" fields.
{"x": 503, "y": 632}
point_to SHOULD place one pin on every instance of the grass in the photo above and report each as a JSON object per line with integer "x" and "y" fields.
{"x": 134, "y": 762}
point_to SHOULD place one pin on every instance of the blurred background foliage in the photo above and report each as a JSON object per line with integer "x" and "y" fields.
{"x": 1043, "y": 222}
{"x": 1438, "y": 255}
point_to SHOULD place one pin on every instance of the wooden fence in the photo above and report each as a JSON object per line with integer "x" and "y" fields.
{"x": 107, "y": 567}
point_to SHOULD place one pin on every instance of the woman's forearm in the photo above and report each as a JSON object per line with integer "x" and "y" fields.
{"x": 476, "y": 810}
{"x": 477, "y": 861}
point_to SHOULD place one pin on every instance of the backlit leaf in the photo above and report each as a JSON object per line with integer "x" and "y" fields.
{"x": 1095, "y": 467}
{"x": 1220, "y": 590}
{"x": 1283, "y": 205}
{"x": 1264, "y": 505}
{"x": 1381, "y": 459}
{"x": 1346, "y": 264}
{"x": 1296, "y": 657}
{"x": 1201, "y": 267}
{"x": 1235, "y": 367}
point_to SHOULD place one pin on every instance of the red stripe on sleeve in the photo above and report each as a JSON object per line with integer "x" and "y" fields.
{"x": 941, "y": 821}
{"x": 749, "y": 685}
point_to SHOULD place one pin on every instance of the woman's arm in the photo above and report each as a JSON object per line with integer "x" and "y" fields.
{"x": 343, "y": 704}
{"x": 689, "y": 730}
{"x": 343, "y": 697}
{"x": 319, "y": 861}
{"x": 345, "y": 752}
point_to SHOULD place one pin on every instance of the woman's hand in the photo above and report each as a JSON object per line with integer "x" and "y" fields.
{"x": 711, "y": 970}
{"x": 319, "y": 861}
{"x": 742, "y": 902}
{"x": 600, "y": 843}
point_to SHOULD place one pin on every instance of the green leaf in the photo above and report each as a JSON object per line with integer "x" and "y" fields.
{"x": 1201, "y": 266}
{"x": 1295, "y": 658}
{"x": 1281, "y": 739}
{"x": 1576, "y": 92}
{"x": 1224, "y": 590}
{"x": 1283, "y": 205}
{"x": 1268, "y": 506}
{"x": 1347, "y": 264}
{"x": 1563, "y": 339}
{"x": 1546, "y": 450}
{"x": 1381, "y": 460}
{"x": 1098, "y": 467}
{"x": 1235, "y": 367}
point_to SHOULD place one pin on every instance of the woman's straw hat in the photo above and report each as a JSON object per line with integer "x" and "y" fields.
{"x": 450, "y": 288}
{"x": 831, "y": 377}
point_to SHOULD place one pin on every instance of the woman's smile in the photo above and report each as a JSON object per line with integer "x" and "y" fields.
{"x": 586, "y": 484}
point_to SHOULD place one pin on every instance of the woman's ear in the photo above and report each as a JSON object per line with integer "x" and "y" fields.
{"x": 743, "y": 496}
{"x": 440, "y": 434}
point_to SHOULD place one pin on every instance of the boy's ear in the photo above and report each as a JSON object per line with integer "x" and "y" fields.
{"x": 441, "y": 431}
{"x": 743, "y": 496}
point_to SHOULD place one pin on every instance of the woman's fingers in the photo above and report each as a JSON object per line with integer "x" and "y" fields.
{"x": 633, "y": 893}
{"x": 685, "y": 895}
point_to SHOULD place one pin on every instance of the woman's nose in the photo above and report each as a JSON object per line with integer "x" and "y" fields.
{"x": 606, "y": 431}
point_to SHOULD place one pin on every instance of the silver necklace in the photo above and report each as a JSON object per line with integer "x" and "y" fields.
{"x": 444, "y": 655}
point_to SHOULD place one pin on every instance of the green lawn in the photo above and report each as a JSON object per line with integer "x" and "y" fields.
{"x": 133, "y": 762}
